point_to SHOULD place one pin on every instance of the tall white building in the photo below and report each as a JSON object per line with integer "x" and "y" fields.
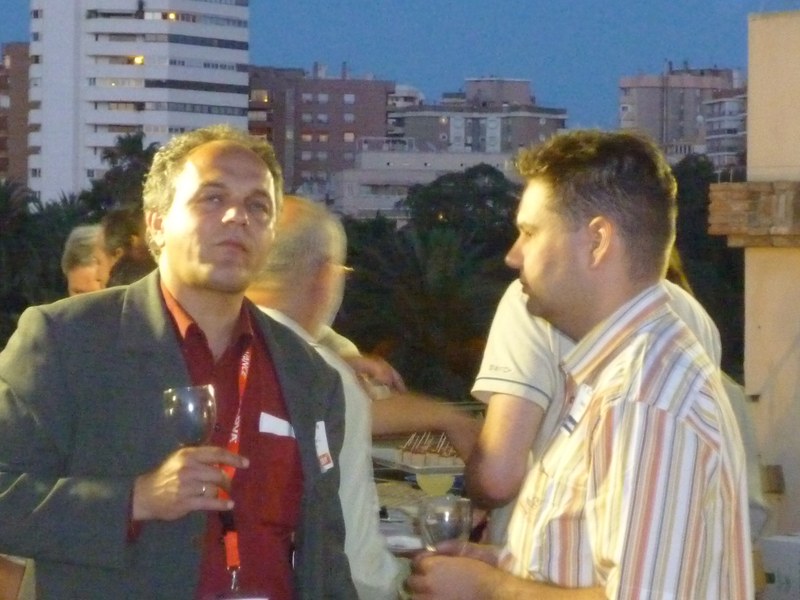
{"x": 104, "y": 68}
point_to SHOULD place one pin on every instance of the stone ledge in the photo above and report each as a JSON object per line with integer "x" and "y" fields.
{"x": 756, "y": 213}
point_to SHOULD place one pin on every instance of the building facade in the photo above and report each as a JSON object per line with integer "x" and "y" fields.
{"x": 14, "y": 112}
{"x": 315, "y": 121}
{"x": 726, "y": 129}
{"x": 387, "y": 167}
{"x": 492, "y": 115}
{"x": 101, "y": 69}
{"x": 670, "y": 106}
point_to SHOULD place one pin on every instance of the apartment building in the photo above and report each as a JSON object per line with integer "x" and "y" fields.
{"x": 726, "y": 129}
{"x": 387, "y": 167}
{"x": 669, "y": 106}
{"x": 486, "y": 123}
{"x": 315, "y": 120}
{"x": 492, "y": 115}
{"x": 100, "y": 69}
{"x": 14, "y": 112}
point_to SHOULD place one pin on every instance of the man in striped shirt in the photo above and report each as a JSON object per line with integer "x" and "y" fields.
{"x": 641, "y": 491}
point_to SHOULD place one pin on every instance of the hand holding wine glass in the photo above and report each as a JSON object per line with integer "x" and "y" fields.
{"x": 190, "y": 478}
{"x": 444, "y": 518}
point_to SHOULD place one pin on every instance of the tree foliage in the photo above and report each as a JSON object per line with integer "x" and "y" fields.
{"x": 424, "y": 295}
{"x": 479, "y": 203}
{"x": 715, "y": 271}
{"x": 32, "y": 233}
{"x": 121, "y": 185}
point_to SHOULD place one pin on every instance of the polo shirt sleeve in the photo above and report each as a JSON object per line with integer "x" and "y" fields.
{"x": 520, "y": 358}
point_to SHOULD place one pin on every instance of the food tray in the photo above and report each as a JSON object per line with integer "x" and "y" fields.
{"x": 384, "y": 456}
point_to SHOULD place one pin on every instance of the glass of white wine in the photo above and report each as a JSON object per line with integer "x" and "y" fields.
{"x": 444, "y": 518}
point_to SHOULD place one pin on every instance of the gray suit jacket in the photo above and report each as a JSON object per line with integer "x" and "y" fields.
{"x": 81, "y": 416}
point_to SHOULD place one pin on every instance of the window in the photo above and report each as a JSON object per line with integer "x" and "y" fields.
{"x": 323, "y": 137}
{"x": 322, "y": 98}
{"x": 306, "y": 97}
{"x": 306, "y": 137}
{"x": 322, "y": 155}
{"x": 305, "y": 155}
{"x": 348, "y": 156}
{"x": 349, "y": 136}
{"x": 37, "y": 14}
{"x": 306, "y": 118}
{"x": 36, "y": 172}
{"x": 349, "y": 98}
{"x": 349, "y": 117}
{"x": 322, "y": 118}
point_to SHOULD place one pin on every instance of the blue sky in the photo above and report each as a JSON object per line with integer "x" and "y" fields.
{"x": 572, "y": 51}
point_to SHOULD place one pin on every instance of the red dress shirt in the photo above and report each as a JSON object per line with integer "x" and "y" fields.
{"x": 267, "y": 495}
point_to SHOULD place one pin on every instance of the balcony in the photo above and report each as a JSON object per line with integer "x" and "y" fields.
{"x": 756, "y": 214}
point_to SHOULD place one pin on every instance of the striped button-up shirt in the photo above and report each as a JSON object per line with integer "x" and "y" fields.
{"x": 642, "y": 488}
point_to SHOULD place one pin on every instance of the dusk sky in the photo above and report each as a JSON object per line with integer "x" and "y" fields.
{"x": 572, "y": 51}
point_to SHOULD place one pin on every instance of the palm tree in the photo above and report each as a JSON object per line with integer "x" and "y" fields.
{"x": 424, "y": 300}
{"x": 15, "y": 248}
{"x": 129, "y": 160}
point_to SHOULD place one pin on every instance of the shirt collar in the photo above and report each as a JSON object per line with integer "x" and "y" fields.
{"x": 186, "y": 325}
{"x": 610, "y": 334}
{"x": 287, "y": 321}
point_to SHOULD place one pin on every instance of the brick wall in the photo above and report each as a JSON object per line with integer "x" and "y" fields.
{"x": 753, "y": 214}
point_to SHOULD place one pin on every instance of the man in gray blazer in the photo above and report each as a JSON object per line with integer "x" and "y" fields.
{"x": 93, "y": 483}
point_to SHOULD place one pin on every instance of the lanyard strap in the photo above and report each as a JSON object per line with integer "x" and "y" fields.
{"x": 229, "y": 533}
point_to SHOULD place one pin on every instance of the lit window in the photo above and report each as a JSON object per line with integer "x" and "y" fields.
{"x": 349, "y": 136}
{"x": 306, "y": 137}
{"x": 323, "y": 137}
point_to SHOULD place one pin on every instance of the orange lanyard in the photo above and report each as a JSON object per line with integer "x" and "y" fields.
{"x": 229, "y": 533}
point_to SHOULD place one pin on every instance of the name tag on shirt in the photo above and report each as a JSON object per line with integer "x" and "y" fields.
{"x": 579, "y": 406}
{"x": 321, "y": 443}
{"x": 268, "y": 423}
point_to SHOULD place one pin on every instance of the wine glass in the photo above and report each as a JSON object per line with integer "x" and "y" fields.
{"x": 191, "y": 412}
{"x": 444, "y": 518}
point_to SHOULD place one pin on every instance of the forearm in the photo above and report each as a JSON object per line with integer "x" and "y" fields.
{"x": 517, "y": 588}
{"x": 407, "y": 413}
{"x": 499, "y": 463}
{"x": 493, "y": 481}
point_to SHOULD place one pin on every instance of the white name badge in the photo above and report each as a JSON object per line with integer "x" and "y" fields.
{"x": 321, "y": 443}
{"x": 579, "y": 406}
{"x": 268, "y": 423}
